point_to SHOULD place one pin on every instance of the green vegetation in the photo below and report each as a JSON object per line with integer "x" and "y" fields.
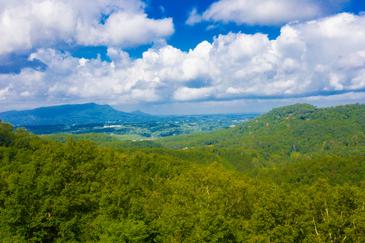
{"x": 296, "y": 174}
{"x": 99, "y": 138}
{"x": 284, "y": 133}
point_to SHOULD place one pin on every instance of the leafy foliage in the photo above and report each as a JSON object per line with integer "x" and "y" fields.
{"x": 79, "y": 191}
{"x": 283, "y": 133}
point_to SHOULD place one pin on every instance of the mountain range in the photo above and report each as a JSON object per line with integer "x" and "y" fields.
{"x": 294, "y": 174}
{"x": 95, "y": 118}
{"x": 80, "y": 114}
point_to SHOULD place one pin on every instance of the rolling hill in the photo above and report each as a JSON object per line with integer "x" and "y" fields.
{"x": 300, "y": 127}
{"x": 295, "y": 174}
{"x": 88, "y": 113}
{"x": 285, "y": 132}
{"x": 281, "y": 135}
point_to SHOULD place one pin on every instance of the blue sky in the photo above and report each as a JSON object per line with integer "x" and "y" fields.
{"x": 175, "y": 57}
{"x": 186, "y": 36}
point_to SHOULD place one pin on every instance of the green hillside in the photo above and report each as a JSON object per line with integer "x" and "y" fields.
{"x": 282, "y": 133}
{"x": 301, "y": 178}
{"x": 302, "y": 128}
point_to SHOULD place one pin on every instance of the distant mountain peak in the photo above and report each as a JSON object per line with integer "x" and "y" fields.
{"x": 86, "y": 113}
{"x": 80, "y": 105}
{"x": 139, "y": 112}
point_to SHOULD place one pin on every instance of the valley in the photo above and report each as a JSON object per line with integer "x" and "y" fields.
{"x": 103, "y": 119}
{"x": 294, "y": 174}
{"x": 222, "y": 121}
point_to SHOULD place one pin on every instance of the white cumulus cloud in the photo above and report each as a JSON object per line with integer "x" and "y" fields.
{"x": 29, "y": 24}
{"x": 265, "y": 12}
{"x": 321, "y": 57}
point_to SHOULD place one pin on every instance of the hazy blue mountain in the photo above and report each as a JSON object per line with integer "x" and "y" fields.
{"x": 69, "y": 114}
{"x": 94, "y": 118}
{"x": 138, "y": 112}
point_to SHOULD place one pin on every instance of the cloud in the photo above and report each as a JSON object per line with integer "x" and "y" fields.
{"x": 323, "y": 57}
{"x": 194, "y": 17}
{"x": 30, "y": 24}
{"x": 265, "y": 12}
{"x": 125, "y": 29}
{"x": 189, "y": 94}
{"x": 248, "y": 105}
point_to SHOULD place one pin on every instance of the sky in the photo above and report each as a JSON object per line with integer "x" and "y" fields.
{"x": 182, "y": 57}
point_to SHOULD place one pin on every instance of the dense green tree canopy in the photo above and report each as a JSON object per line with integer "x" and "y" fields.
{"x": 300, "y": 178}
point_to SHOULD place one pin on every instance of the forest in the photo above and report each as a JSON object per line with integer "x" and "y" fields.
{"x": 294, "y": 174}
